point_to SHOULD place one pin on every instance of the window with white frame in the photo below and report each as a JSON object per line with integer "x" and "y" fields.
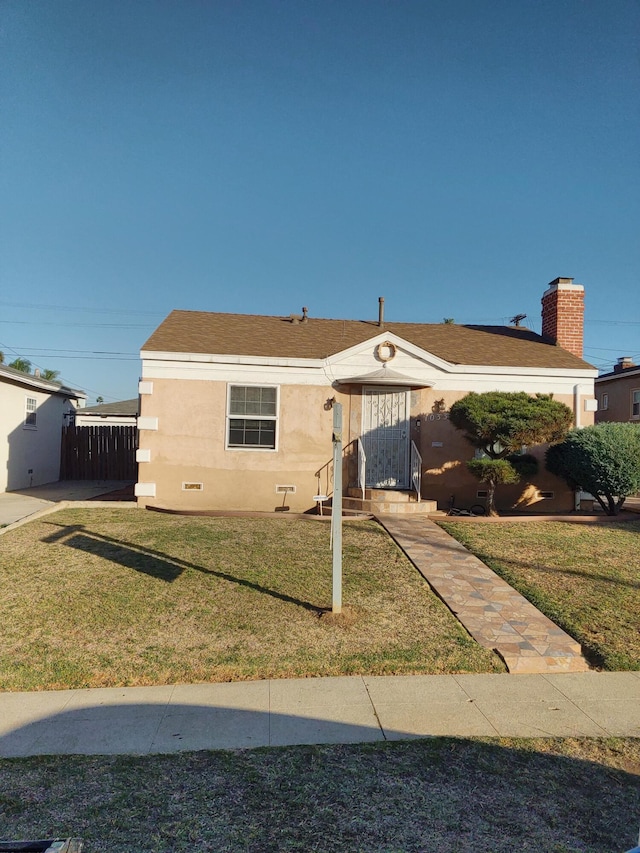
{"x": 31, "y": 404}
{"x": 252, "y": 415}
{"x": 635, "y": 404}
{"x": 604, "y": 402}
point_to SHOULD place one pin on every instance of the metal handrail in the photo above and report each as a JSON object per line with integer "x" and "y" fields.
{"x": 362, "y": 467}
{"x": 416, "y": 469}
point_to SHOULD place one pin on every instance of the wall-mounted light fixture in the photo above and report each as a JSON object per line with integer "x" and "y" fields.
{"x": 329, "y": 404}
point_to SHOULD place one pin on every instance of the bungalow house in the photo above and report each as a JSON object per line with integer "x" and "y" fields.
{"x": 32, "y": 413}
{"x": 618, "y": 393}
{"x": 235, "y": 408}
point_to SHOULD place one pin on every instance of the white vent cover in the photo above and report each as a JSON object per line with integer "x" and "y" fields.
{"x": 147, "y": 423}
{"x": 281, "y": 489}
{"x": 145, "y": 490}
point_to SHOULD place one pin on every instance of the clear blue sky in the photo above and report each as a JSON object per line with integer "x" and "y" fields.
{"x": 255, "y": 156}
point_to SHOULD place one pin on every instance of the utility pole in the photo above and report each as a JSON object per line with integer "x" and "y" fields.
{"x": 336, "y": 509}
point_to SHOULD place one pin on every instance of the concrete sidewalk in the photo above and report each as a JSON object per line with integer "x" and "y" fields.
{"x": 356, "y": 709}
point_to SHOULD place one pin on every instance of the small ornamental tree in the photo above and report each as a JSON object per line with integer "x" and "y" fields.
{"x": 499, "y": 423}
{"x": 603, "y": 460}
{"x": 493, "y": 472}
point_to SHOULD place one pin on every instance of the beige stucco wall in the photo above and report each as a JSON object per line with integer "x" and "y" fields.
{"x": 189, "y": 447}
{"x": 29, "y": 456}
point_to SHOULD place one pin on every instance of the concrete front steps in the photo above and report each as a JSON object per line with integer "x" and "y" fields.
{"x": 386, "y": 501}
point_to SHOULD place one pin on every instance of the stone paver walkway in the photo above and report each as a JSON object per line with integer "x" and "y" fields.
{"x": 495, "y": 615}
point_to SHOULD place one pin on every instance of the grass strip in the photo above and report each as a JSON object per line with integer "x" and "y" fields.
{"x": 585, "y": 577}
{"x": 441, "y": 794}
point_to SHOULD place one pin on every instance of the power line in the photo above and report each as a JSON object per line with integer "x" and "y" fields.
{"x": 614, "y": 322}
{"x": 41, "y": 307}
{"x": 604, "y": 349}
{"x": 77, "y": 325}
{"x": 47, "y": 350}
{"x": 87, "y": 357}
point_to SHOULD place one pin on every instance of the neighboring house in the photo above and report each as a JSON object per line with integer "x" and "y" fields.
{"x": 124, "y": 413}
{"x": 32, "y": 414}
{"x": 236, "y": 409}
{"x": 618, "y": 393}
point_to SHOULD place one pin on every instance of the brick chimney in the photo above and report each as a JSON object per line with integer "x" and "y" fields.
{"x": 563, "y": 314}
{"x": 624, "y": 363}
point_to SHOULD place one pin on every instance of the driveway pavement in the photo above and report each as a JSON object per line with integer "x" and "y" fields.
{"x": 22, "y": 504}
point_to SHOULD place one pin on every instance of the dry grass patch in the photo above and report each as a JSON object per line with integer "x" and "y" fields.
{"x": 440, "y": 794}
{"x": 111, "y": 597}
{"x": 585, "y": 577}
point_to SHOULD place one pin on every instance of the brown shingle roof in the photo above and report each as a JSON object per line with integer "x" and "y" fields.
{"x": 279, "y": 337}
{"x": 122, "y": 407}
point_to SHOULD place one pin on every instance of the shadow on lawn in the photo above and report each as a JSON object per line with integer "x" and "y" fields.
{"x": 436, "y": 793}
{"x": 154, "y": 563}
{"x": 516, "y": 563}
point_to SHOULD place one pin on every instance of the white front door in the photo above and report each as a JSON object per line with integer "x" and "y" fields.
{"x": 385, "y": 436}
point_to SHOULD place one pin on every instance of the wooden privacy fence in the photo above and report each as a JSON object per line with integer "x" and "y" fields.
{"x": 98, "y": 453}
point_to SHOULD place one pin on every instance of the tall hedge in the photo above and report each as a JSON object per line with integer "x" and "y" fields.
{"x": 603, "y": 459}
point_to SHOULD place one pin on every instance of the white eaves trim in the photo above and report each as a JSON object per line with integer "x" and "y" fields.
{"x": 209, "y": 358}
{"x": 507, "y": 370}
{"x": 334, "y": 360}
{"x": 32, "y": 381}
{"x": 629, "y": 371}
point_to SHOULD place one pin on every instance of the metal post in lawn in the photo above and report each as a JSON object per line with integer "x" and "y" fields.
{"x": 336, "y": 509}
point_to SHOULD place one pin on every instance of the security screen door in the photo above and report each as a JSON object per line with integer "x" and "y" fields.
{"x": 385, "y": 437}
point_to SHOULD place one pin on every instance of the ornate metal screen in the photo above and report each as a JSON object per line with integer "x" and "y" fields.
{"x": 385, "y": 436}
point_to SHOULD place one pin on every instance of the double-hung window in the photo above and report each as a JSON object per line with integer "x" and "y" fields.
{"x": 252, "y": 416}
{"x": 635, "y": 404}
{"x": 31, "y": 404}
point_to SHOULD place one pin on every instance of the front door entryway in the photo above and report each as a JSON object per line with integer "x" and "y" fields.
{"x": 385, "y": 437}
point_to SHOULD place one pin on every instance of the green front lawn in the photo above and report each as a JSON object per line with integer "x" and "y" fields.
{"x": 108, "y": 597}
{"x": 584, "y": 576}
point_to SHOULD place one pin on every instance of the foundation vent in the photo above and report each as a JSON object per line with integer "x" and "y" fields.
{"x": 546, "y": 496}
{"x": 283, "y": 489}
{"x": 192, "y": 487}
